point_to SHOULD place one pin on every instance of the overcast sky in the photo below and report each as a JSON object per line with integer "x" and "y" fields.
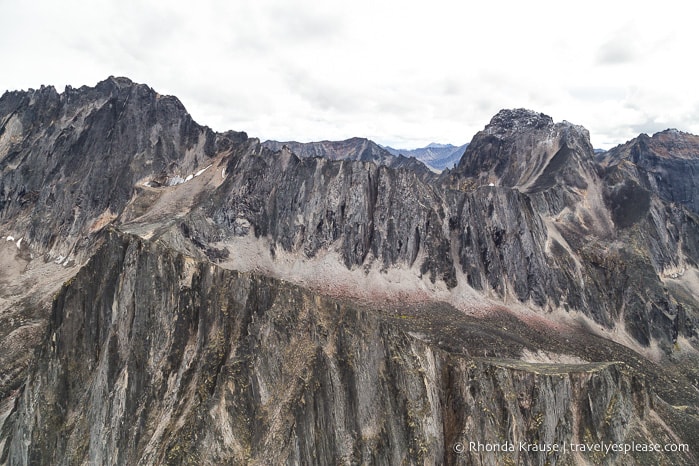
{"x": 402, "y": 73}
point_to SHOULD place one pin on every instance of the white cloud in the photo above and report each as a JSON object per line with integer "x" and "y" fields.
{"x": 402, "y": 73}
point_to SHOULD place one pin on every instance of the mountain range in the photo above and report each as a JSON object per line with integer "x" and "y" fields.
{"x": 174, "y": 295}
{"x": 436, "y": 156}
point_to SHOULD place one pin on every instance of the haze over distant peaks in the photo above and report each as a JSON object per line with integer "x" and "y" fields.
{"x": 435, "y": 155}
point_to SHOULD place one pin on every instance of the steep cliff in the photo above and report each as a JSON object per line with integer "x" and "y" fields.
{"x": 168, "y": 360}
{"x": 357, "y": 149}
{"x": 173, "y": 295}
{"x": 350, "y": 149}
{"x": 70, "y": 162}
{"x": 666, "y": 163}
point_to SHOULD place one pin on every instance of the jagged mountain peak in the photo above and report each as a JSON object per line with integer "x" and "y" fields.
{"x": 355, "y": 148}
{"x": 120, "y": 85}
{"x": 511, "y": 122}
{"x": 666, "y": 163}
{"x": 349, "y": 149}
{"x": 43, "y": 89}
{"x": 101, "y": 141}
{"x": 124, "y": 88}
{"x": 105, "y": 87}
{"x": 526, "y": 149}
{"x": 517, "y": 120}
{"x": 672, "y": 143}
{"x": 118, "y": 82}
{"x": 113, "y": 89}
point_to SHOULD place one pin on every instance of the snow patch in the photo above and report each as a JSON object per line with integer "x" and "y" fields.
{"x": 202, "y": 170}
{"x": 175, "y": 180}
{"x": 674, "y": 272}
{"x": 19, "y": 243}
{"x": 10, "y": 238}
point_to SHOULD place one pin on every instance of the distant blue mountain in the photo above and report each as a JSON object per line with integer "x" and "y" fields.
{"x": 436, "y": 156}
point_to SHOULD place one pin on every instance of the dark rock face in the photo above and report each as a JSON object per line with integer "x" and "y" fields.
{"x": 578, "y": 235}
{"x": 169, "y": 360}
{"x": 67, "y": 159}
{"x": 500, "y": 240}
{"x": 367, "y": 212}
{"x": 70, "y": 164}
{"x": 351, "y": 149}
{"x": 180, "y": 338}
{"x": 666, "y": 164}
{"x": 524, "y": 149}
{"x": 356, "y": 149}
